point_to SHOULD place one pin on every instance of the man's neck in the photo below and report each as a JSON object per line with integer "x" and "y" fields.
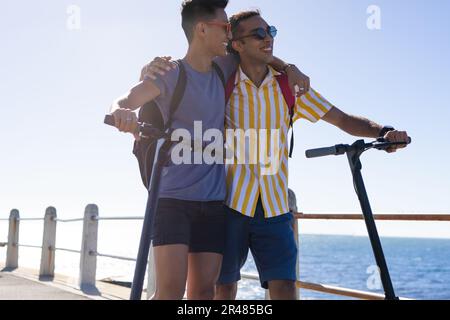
{"x": 256, "y": 72}
{"x": 199, "y": 59}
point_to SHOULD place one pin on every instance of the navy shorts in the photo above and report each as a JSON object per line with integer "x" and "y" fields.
{"x": 271, "y": 242}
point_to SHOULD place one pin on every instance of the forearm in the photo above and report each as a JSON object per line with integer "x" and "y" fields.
{"x": 360, "y": 127}
{"x": 138, "y": 96}
{"x": 123, "y": 103}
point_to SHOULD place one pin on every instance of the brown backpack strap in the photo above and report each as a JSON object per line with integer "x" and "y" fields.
{"x": 178, "y": 93}
{"x": 219, "y": 73}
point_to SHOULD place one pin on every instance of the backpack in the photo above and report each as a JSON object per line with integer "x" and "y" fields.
{"x": 283, "y": 82}
{"x": 145, "y": 148}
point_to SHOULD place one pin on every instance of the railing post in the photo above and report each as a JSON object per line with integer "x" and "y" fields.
{"x": 12, "y": 252}
{"x": 47, "y": 268}
{"x": 88, "y": 256}
{"x": 151, "y": 276}
{"x": 293, "y": 208}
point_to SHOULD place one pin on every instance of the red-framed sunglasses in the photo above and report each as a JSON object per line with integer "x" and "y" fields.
{"x": 225, "y": 25}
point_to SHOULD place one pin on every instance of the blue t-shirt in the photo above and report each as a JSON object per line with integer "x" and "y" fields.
{"x": 203, "y": 100}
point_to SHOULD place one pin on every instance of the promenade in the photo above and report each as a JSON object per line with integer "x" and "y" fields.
{"x": 16, "y": 288}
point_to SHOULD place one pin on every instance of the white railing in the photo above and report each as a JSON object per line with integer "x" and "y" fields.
{"x": 89, "y": 253}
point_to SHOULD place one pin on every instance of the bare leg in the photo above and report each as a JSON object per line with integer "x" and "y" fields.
{"x": 171, "y": 265}
{"x": 282, "y": 290}
{"x": 203, "y": 272}
{"x": 226, "y": 291}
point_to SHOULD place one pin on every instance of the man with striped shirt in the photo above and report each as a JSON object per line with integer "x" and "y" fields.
{"x": 259, "y": 217}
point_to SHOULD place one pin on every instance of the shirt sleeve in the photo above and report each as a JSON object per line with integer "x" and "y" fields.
{"x": 229, "y": 64}
{"x": 166, "y": 84}
{"x": 311, "y": 106}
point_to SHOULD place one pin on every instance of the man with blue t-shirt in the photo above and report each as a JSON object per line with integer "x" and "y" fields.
{"x": 189, "y": 226}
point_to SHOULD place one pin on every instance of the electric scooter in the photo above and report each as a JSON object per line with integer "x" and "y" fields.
{"x": 354, "y": 153}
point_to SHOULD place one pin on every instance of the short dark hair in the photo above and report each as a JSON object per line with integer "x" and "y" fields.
{"x": 236, "y": 20}
{"x": 192, "y": 11}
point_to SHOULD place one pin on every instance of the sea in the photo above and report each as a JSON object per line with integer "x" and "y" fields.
{"x": 419, "y": 267}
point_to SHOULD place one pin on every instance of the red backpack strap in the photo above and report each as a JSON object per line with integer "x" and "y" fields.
{"x": 287, "y": 92}
{"x": 283, "y": 81}
{"x": 229, "y": 88}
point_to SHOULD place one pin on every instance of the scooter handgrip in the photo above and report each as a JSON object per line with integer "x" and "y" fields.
{"x": 109, "y": 120}
{"x": 321, "y": 152}
{"x": 409, "y": 141}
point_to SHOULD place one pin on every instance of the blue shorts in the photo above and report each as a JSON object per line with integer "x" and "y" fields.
{"x": 271, "y": 242}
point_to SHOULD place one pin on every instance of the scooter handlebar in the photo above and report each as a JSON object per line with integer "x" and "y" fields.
{"x": 321, "y": 152}
{"x": 109, "y": 120}
{"x": 409, "y": 141}
{"x": 339, "y": 149}
{"x": 144, "y": 129}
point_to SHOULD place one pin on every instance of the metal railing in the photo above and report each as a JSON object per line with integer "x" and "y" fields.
{"x": 89, "y": 253}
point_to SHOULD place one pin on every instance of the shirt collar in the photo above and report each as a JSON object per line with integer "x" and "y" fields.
{"x": 242, "y": 77}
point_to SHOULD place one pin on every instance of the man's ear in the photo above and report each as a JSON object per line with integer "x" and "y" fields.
{"x": 237, "y": 46}
{"x": 200, "y": 29}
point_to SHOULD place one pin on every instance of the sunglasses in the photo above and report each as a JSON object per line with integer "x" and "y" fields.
{"x": 261, "y": 33}
{"x": 225, "y": 25}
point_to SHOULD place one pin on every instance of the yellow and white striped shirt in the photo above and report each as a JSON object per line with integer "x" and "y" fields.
{"x": 251, "y": 107}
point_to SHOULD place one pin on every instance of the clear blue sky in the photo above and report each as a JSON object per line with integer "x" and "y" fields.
{"x": 57, "y": 85}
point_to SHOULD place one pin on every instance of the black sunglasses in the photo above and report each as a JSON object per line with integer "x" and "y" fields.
{"x": 261, "y": 33}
